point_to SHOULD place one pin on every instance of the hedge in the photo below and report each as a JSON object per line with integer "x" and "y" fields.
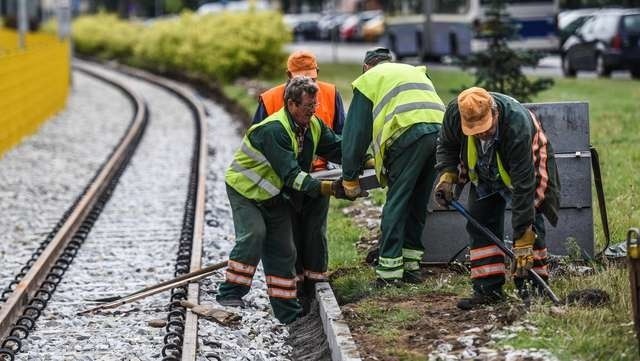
{"x": 221, "y": 46}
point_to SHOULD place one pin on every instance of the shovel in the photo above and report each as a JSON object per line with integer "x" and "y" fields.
{"x": 536, "y": 277}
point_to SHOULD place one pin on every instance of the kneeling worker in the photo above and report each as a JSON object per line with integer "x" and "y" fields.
{"x": 499, "y": 145}
{"x": 272, "y": 164}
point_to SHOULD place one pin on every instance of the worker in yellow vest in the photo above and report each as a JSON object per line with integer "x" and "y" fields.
{"x": 273, "y": 161}
{"x": 396, "y": 110}
{"x": 310, "y": 219}
{"x": 496, "y": 143}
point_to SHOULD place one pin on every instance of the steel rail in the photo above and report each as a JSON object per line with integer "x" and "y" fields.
{"x": 28, "y": 286}
{"x": 190, "y": 330}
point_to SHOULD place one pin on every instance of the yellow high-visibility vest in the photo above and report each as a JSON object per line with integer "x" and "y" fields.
{"x": 251, "y": 174}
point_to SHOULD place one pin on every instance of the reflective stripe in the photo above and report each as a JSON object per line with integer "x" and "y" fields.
{"x": 397, "y": 90}
{"x": 252, "y": 153}
{"x": 390, "y": 262}
{"x": 281, "y": 293}
{"x": 238, "y": 279}
{"x": 397, "y": 274}
{"x": 412, "y": 254}
{"x": 316, "y": 276}
{"x": 540, "y": 148}
{"x": 297, "y": 183}
{"x": 256, "y": 178}
{"x": 485, "y": 252}
{"x": 542, "y": 271}
{"x": 242, "y": 267}
{"x": 488, "y": 270}
{"x": 403, "y": 108}
{"x": 411, "y": 266}
{"x": 300, "y": 277}
{"x": 281, "y": 281}
{"x": 540, "y": 254}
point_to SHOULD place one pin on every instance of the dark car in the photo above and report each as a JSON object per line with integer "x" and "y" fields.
{"x": 610, "y": 40}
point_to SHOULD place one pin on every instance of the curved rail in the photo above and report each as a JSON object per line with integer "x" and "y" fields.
{"x": 33, "y": 291}
{"x": 182, "y": 326}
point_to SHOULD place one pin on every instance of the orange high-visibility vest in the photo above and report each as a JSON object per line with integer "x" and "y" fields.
{"x": 273, "y": 100}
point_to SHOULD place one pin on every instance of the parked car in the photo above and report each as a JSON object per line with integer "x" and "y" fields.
{"x": 610, "y": 40}
{"x": 373, "y": 29}
{"x": 303, "y": 26}
{"x": 329, "y": 25}
{"x": 351, "y": 29}
{"x": 569, "y": 21}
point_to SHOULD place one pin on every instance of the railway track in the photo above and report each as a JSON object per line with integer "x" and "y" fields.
{"x": 142, "y": 219}
{"x": 32, "y": 293}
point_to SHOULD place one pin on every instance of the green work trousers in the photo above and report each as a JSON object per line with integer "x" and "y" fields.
{"x": 310, "y": 234}
{"x": 487, "y": 262}
{"x": 410, "y": 175}
{"x": 263, "y": 231}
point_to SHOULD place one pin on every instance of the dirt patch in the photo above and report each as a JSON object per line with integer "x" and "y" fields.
{"x": 436, "y": 326}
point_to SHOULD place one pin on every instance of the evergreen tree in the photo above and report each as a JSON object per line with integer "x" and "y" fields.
{"x": 499, "y": 68}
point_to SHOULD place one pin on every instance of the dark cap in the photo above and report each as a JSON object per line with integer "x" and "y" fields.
{"x": 373, "y": 57}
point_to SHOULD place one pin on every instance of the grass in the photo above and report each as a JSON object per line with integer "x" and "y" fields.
{"x": 578, "y": 334}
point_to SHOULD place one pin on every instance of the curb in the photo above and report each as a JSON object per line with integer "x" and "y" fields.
{"x": 341, "y": 344}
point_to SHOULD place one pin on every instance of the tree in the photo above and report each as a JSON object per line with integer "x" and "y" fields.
{"x": 499, "y": 68}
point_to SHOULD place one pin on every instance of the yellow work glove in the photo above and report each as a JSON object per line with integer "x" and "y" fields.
{"x": 444, "y": 188}
{"x": 370, "y": 164}
{"x": 352, "y": 189}
{"x": 523, "y": 251}
{"x": 332, "y": 188}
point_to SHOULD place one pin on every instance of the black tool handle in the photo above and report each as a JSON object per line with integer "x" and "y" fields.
{"x": 487, "y": 232}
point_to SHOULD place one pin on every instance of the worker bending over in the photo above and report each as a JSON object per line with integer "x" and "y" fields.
{"x": 396, "y": 110}
{"x": 499, "y": 145}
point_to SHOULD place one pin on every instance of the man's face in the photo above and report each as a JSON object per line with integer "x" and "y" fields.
{"x": 488, "y": 135}
{"x": 303, "y": 111}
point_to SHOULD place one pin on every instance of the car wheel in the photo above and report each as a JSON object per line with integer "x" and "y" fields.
{"x": 635, "y": 72}
{"x": 567, "y": 68}
{"x": 601, "y": 69}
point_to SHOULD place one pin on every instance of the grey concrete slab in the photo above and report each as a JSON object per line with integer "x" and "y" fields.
{"x": 342, "y": 346}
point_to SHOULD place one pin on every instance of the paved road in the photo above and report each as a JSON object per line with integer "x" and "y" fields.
{"x": 354, "y": 53}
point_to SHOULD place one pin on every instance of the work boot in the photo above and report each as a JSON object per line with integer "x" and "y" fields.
{"x": 480, "y": 299}
{"x": 384, "y": 283}
{"x": 231, "y": 302}
{"x": 413, "y": 277}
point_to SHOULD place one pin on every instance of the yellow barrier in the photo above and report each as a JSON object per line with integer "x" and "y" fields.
{"x": 34, "y": 83}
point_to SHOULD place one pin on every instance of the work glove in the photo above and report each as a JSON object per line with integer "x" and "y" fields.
{"x": 523, "y": 251}
{"x": 370, "y": 164}
{"x": 444, "y": 188}
{"x": 352, "y": 189}
{"x": 333, "y": 188}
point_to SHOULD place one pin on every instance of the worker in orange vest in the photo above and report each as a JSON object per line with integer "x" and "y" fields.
{"x": 310, "y": 216}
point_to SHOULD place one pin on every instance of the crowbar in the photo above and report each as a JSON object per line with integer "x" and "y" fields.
{"x": 117, "y": 301}
{"x": 536, "y": 277}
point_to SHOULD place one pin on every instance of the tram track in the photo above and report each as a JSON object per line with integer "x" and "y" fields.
{"x": 40, "y": 278}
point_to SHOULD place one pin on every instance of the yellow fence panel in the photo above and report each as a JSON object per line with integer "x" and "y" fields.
{"x": 34, "y": 83}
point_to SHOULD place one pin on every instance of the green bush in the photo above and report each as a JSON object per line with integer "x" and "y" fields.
{"x": 105, "y": 36}
{"x": 222, "y": 46}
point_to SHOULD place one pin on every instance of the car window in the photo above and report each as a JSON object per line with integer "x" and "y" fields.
{"x": 631, "y": 23}
{"x": 587, "y": 27}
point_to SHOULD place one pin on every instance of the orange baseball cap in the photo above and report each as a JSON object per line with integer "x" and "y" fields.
{"x": 475, "y": 110}
{"x": 302, "y": 63}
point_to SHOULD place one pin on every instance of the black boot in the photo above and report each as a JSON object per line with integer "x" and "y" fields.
{"x": 481, "y": 299}
{"x": 413, "y": 277}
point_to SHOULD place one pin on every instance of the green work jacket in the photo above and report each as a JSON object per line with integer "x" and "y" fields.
{"x": 527, "y": 160}
{"x": 402, "y": 96}
{"x": 269, "y": 158}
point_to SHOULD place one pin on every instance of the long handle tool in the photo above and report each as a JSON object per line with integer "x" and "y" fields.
{"x": 536, "y": 277}
{"x": 152, "y": 290}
